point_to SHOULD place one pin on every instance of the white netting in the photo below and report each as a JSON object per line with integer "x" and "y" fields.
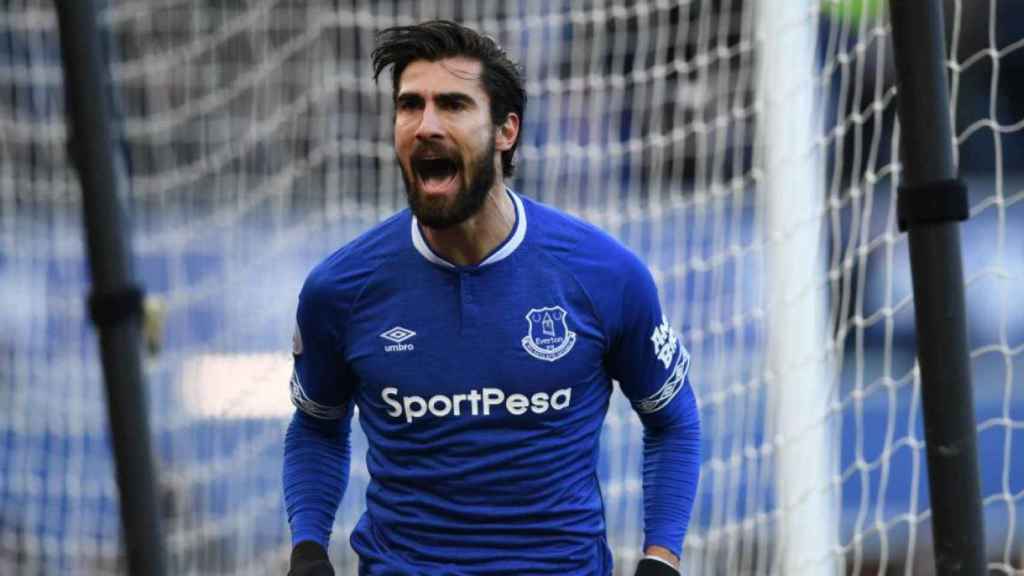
{"x": 256, "y": 142}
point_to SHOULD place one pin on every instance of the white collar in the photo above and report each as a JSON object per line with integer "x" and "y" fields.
{"x": 505, "y": 251}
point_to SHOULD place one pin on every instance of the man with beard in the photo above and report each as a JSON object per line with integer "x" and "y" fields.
{"x": 479, "y": 333}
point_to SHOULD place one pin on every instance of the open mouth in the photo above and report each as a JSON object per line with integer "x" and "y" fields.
{"x": 435, "y": 173}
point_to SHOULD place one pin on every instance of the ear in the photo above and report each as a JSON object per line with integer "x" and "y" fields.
{"x": 507, "y": 132}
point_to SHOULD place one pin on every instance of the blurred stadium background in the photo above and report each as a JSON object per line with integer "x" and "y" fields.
{"x": 255, "y": 142}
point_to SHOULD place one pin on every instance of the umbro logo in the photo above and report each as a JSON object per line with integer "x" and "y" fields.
{"x": 398, "y": 336}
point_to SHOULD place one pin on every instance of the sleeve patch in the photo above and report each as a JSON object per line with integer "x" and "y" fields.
{"x": 668, "y": 391}
{"x": 310, "y": 406}
{"x": 665, "y": 342}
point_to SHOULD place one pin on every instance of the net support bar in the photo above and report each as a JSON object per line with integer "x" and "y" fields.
{"x": 927, "y": 157}
{"x": 115, "y": 303}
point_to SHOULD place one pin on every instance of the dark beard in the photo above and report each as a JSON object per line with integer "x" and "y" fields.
{"x": 467, "y": 201}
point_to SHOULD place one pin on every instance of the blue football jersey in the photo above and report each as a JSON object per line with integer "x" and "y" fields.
{"x": 482, "y": 390}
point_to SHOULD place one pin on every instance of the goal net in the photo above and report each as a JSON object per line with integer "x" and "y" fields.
{"x": 747, "y": 154}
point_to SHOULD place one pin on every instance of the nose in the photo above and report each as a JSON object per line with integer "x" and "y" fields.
{"x": 430, "y": 126}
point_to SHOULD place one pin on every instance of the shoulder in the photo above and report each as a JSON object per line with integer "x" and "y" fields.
{"x": 341, "y": 276}
{"x": 589, "y": 252}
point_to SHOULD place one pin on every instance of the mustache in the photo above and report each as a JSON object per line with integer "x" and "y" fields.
{"x": 433, "y": 150}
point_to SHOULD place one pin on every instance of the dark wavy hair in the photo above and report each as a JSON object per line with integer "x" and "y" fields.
{"x": 435, "y": 40}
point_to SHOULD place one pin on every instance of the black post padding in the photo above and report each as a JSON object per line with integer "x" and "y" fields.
{"x": 115, "y": 306}
{"x": 926, "y": 154}
{"x": 116, "y": 301}
{"x": 932, "y": 203}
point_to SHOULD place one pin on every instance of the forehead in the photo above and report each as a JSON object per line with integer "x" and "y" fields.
{"x": 446, "y": 75}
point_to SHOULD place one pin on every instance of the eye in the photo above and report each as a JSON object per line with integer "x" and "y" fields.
{"x": 408, "y": 102}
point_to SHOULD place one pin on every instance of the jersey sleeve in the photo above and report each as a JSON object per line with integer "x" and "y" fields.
{"x": 317, "y": 450}
{"x": 321, "y": 381}
{"x": 646, "y": 356}
{"x": 652, "y": 367}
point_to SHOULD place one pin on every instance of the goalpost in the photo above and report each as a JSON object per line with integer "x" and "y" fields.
{"x": 746, "y": 151}
{"x": 800, "y": 425}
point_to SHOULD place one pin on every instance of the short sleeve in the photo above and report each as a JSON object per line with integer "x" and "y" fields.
{"x": 646, "y": 357}
{"x": 321, "y": 381}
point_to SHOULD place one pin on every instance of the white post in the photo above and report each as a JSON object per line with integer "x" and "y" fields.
{"x": 798, "y": 389}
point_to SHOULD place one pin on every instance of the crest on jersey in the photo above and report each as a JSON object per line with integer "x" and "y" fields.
{"x": 548, "y": 337}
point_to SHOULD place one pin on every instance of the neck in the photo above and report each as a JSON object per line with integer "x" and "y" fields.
{"x": 468, "y": 243}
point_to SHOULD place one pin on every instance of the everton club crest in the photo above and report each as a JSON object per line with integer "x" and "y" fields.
{"x": 549, "y": 337}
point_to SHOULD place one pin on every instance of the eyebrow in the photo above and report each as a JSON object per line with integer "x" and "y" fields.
{"x": 442, "y": 98}
{"x": 454, "y": 98}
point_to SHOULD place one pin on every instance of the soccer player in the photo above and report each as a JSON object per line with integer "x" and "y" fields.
{"x": 478, "y": 333}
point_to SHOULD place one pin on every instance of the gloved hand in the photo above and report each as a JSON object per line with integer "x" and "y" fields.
{"x": 310, "y": 559}
{"x": 651, "y": 567}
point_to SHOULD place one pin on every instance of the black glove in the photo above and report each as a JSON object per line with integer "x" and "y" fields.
{"x": 310, "y": 559}
{"x": 649, "y": 567}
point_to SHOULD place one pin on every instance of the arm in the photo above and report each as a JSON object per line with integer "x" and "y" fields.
{"x": 316, "y": 465}
{"x": 670, "y": 475}
{"x": 652, "y": 367}
{"x": 316, "y": 447}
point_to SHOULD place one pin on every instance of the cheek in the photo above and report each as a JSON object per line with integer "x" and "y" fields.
{"x": 477, "y": 138}
{"x": 405, "y": 129}
{"x": 401, "y": 133}
{"x": 403, "y": 142}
